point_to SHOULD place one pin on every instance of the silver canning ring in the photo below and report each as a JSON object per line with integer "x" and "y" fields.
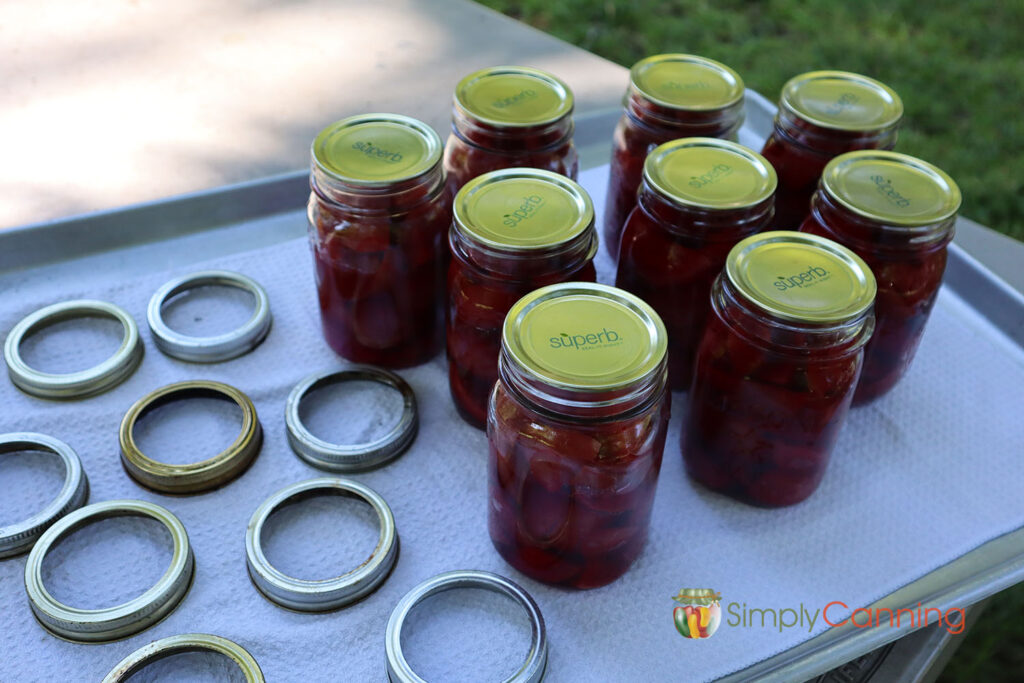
{"x": 186, "y": 642}
{"x": 355, "y": 457}
{"x": 120, "y": 621}
{"x": 209, "y": 349}
{"x": 532, "y": 669}
{"x": 18, "y": 538}
{"x": 94, "y": 380}
{"x": 322, "y": 594}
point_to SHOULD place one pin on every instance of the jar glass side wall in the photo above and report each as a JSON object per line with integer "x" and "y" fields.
{"x": 570, "y": 501}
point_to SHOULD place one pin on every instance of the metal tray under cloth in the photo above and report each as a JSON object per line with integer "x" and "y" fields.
{"x": 205, "y": 225}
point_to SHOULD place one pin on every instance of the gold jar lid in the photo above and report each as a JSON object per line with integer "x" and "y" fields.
{"x": 513, "y": 96}
{"x": 841, "y": 100}
{"x": 586, "y": 337}
{"x": 800, "y": 277}
{"x": 522, "y": 209}
{"x": 376, "y": 149}
{"x": 686, "y": 82}
{"x": 709, "y": 173}
{"x": 891, "y": 188}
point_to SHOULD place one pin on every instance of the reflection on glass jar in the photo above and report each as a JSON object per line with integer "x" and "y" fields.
{"x": 823, "y": 114}
{"x": 508, "y": 117}
{"x": 898, "y": 214}
{"x": 670, "y": 96}
{"x": 514, "y": 231}
{"x": 378, "y": 215}
{"x": 777, "y": 366}
{"x": 700, "y": 197}
{"x": 576, "y": 428}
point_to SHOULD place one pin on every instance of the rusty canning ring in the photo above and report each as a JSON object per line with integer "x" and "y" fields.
{"x": 216, "y": 348}
{"x": 197, "y": 476}
{"x": 119, "y": 621}
{"x": 186, "y": 642}
{"x": 351, "y": 457}
{"x": 84, "y": 383}
{"x": 19, "y": 538}
{"x": 320, "y": 595}
{"x": 532, "y": 670}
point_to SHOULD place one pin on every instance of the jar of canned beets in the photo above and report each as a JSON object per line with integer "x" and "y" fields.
{"x": 576, "y": 428}
{"x": 823, "y": 114}
{"x": 700, "y": 196}
{"x": 378, "y": 215}
{"x": 669, "y": 97}
{"x": 514, "y": 231}
{"x": 507, "y": 117}
{"x": 777, "y": 366}
{"x": 897, "y": 213}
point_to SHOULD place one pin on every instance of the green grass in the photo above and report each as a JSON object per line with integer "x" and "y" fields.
{"x": 959, "y": 67}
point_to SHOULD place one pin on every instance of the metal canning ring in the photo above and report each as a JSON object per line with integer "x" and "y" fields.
{"x": 209, "y": 349}
{"x": 532, "y": 669}
{"x": 120, "y": 621}
{"x": 196, "y": 476}
{"x": 18, "y": 538}
{"x": 351, "y": 457}
{"x": 89, "y": 382}
{"x": 321, "y": 594}
{"x": 186, "y": 642}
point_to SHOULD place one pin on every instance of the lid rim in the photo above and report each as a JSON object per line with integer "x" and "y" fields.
{"x": 737, "y": 87}
{"x": 835, "y": 169}
{"x": 793, "y": 85}
{"x": 758, "y": 164}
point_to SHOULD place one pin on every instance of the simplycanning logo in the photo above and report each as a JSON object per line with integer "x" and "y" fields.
{"x": 885, "y": 188}
{"x": 524, "y": 94}
{"x": 812, "y": 276}
{"x": 717, "y": 172}
{"x": 528, "y": 209}
{"x": 374, "y": 152}
{"x": 699, "y": 614}
{"x": 583, "y": 342}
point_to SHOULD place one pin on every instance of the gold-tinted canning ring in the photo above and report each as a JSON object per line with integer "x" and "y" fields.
{"x": 119, "y": 621}
{"x": 186, "y": 642}
{"x": 83, "y": 383}
{"x": 197, "y": 476}
{"x": 18, "y": 538}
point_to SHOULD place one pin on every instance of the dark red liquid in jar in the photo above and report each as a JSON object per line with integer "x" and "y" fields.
{"x": 670, "y": 96}
{"x": 574, "y": 461}
{"x": 821, "y": 115}
{"x": 908, "y": 274}
{"x": 379, "y": 247}
{"x": 570, "y": 503}
{"x": 768, "y": 401}
{"x": 672, "y": 252}
{"x": 477, "y": 304}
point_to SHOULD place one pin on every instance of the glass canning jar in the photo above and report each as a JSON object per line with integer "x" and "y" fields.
{"x": 508, "y": 117}
{"x": 898, "y": 214}
{"x": 669, "y": 97}
{"x": 514, "y": 231}
{"x": 777, "y": 366}
{"x": 576, "y": 428}
{"x": 823, "y": 114}
{"x": 700, "y": 196}
{"x": 378, "y": 215}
